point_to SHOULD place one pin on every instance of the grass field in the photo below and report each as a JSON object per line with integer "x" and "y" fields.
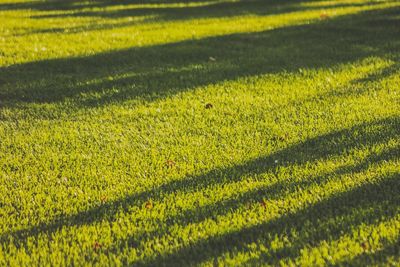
{"x": 200, "y": 132}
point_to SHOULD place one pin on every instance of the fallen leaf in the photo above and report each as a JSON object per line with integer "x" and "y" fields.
{"x": 170, "y": 163}
{"x": 364, "y": 245}
{"x": 148, "y": 205}
{"x": 324, "y": 16}
{"x": 103, "y": 199}
{"x": 208, "y": 106}
{"x": 96, "y": 246}
{"x": 263, "y": 203}
{"x": 284, "y": 137}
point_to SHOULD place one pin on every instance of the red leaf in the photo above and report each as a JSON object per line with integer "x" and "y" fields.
{"x": 263, "y": 203}
{"x": 96, "y": 246}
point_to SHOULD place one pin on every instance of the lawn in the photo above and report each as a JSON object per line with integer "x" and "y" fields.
{"x": 200, "y": 132}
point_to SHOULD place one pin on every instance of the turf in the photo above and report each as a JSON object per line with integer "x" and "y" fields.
{"x": 216, "y": 133}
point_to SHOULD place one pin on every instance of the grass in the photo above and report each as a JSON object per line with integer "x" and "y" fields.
{"x": 194, "y": 132}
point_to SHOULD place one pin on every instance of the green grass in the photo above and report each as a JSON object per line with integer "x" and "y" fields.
{"x": 172, "y": 132}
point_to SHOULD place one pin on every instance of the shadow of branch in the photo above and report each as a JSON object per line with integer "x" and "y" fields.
{"x": 318, "y": 148}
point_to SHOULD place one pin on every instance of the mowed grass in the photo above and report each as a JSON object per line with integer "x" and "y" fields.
{"x": 216, "y": 133}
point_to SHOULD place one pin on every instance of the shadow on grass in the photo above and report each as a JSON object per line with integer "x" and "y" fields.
{"x": 277, "y": 191}
{"x": 77, "y": 6}
{"x": 139, "y": 73}
{"x": 382, "y": 256}
{"x": 334, "y": 144}
{"x": 142, "y": 15}
{"x": 159, "y": 71}
{"x": 381, "y": 75}
{"x": 208, "y": 10}
{"x": 327, "y": 220}
{"x": 216, "y": 9}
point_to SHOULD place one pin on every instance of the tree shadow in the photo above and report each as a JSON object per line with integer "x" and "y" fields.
{"x": 209, "y": 10}
{"x": 156, "y": 14}
{"x": 94, "y": 26}
{"x": 251, "y": 199}
{"x": 159, "y": 71}
{"x": 381, "y": 256}
{"x": 142, "y": 15}
{"x": 76, "y": 5}
{"x": 327, "y": 220}
{"x": 380, "y": 75}
{"x": 334, "y": 144}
